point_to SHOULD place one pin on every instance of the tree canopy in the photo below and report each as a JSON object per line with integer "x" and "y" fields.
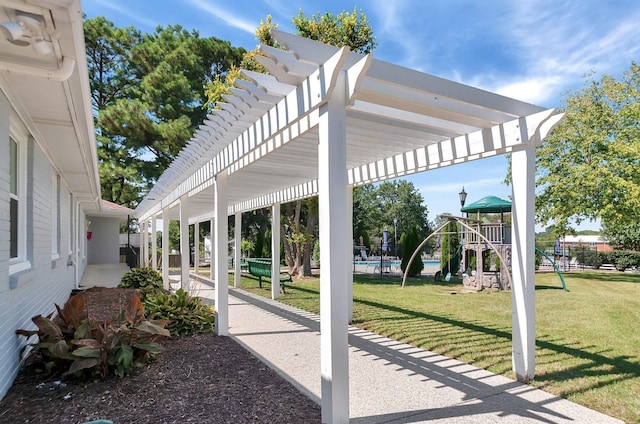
{"x": 345, "y": 29}
{"x": 148, "y": 94}
{"x": 377, "y": 206}
{"x": 588, "y": 167}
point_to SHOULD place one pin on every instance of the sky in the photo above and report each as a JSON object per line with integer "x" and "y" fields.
{"x": 537, "y": 51}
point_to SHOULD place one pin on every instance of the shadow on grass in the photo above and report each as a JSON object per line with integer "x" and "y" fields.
{"x": 604, "y": 370}
{"x": 609, "y": 276}
{"x": 600, "y": 366}
{"x": 544, "y": 287}
{"x": 397, "y": 281}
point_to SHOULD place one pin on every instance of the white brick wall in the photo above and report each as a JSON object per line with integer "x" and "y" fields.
{"x": 48, "y": 281}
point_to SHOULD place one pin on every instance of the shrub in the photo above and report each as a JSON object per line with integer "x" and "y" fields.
{"x": 71, "y": 343}
{"x": 588, "y": 257}
{"x": 186, "y": 314}
{"x": 410, "y": 240}
{"x": 145, "y": 280}
{"x": 621, "y": 259}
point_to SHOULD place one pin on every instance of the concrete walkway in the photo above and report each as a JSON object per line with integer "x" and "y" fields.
{"x": 103, "y": 275}
{"x": 390, "y": 382}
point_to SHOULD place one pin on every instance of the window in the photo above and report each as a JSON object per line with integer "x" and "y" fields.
{"x": 55, "y": 213}
{"x": 18, "y": 206}
{"x": 71, "y": 226}
{"x": 14, "y": 199}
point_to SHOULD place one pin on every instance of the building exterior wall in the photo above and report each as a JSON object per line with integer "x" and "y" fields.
{"x": 51, "y": 275}
{"x": 104, "y": 245}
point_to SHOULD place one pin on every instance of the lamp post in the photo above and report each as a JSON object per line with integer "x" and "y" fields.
{"x": 463, "y": 197}
{"x": 395, "y": 238}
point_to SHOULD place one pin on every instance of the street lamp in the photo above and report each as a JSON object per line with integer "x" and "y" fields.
{"x": 463, "y": 197}
{"x": 395, "y": 238}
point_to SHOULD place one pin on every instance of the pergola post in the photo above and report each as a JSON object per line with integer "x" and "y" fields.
{"x": 349, "y": 243}
{"x": 334, "y": 253}
{"x": 221, "y": 247}
{"x": 196, "y": 247}
{"x": 238, "y": 250}
{"x": 184, "y": 243}
{"x": 165, "y": 248}
{"x": 154, "y": 242}
{"x": 523, "y": 264}
{"x": 144, "y": 245}
{"x": 275, "y": 251}
{"x": 212, "y": 236}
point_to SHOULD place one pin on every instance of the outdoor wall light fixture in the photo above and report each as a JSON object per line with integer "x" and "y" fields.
{"x": 27, "y": 30}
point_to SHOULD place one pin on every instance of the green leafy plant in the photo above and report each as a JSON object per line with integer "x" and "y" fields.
{"x": 145, "y": 280}
{"x": 186, "y": 314}
{"x": 71, "y": 343}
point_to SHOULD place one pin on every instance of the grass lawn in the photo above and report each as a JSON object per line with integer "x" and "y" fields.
{"x": 587, "y": 339}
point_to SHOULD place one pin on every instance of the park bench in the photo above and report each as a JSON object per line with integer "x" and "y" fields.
{"x": 262, "y": 268}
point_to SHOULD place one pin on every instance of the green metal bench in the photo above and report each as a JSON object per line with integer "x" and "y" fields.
{"x": 262, "y": 268}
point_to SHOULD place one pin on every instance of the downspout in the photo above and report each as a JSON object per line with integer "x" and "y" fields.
{"x": 59, "y": 74}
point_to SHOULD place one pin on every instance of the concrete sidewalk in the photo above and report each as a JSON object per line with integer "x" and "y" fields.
{"x": 103, "y": 275}
{"x": 389, "y": 381}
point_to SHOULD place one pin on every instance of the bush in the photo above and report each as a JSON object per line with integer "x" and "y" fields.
{"x": 621, "y": 259}
{"x": 186, "y": 314}
{"x": 145, "y": 280}
{"x": 71, "y": 344}
{"x": 588, "y": 257}
{"x": 410, "y": 240}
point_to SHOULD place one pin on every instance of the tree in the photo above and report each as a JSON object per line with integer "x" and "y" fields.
{"x": 401, "y": 200}
{"x": 588, "y": 167}
{"x": 148, "y": 93}
{"x": 624, "y": 235}
{"x": 450, "y": 244}
{"x": 367, "y": 214}
{"x": 410, "y": 240}
{"x": 346, "y": 29}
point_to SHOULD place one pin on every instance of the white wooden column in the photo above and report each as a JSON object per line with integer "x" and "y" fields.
{"x": 221, "y": 247}
{"x": 237, "y": 230}
{"x": 184, "y": 243}
{"x": 196, "y": 247}
{"x": 523, "y": 264}
{"x": 275, "y": 251}
{"x": 349, "y": 243}
{"x": 212, "y": 259}
{"x": 154, "y": 242}
{"x": 144, "y": 245}
{"x": 165, "y": 248}
{"x": 334, "y": 255}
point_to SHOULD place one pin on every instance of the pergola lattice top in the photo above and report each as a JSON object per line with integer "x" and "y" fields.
{"x": 399, "y": 122}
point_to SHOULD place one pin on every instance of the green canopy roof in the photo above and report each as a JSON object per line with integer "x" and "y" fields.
{"x": 489, "y": 204}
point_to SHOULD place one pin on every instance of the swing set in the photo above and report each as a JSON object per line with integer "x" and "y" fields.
{"x": 461, "y": 221}
{"x": 438, "y": 231}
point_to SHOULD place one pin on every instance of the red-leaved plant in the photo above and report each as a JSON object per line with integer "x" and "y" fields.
{"x": 71, "y": 343}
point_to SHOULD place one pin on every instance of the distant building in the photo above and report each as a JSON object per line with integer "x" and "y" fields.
{"x": 591, "y": 241}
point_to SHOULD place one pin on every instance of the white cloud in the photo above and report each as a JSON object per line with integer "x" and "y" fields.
{"x": 125, "y": 11}
{"x": 535, "y": 90}
{"x": 228, "y": 18}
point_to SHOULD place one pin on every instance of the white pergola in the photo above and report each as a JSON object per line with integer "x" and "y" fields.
{"x": 326, "y": 120}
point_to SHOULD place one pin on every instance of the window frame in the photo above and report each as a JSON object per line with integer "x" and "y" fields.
{"x": 55, "y": 216}
{"x": 20, "y": 262}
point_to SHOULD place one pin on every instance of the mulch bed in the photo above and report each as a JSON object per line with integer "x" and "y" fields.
{"x": 202, "y": 378}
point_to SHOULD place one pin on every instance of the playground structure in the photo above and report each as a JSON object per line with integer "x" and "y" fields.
{"x": 485, "y": 258}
